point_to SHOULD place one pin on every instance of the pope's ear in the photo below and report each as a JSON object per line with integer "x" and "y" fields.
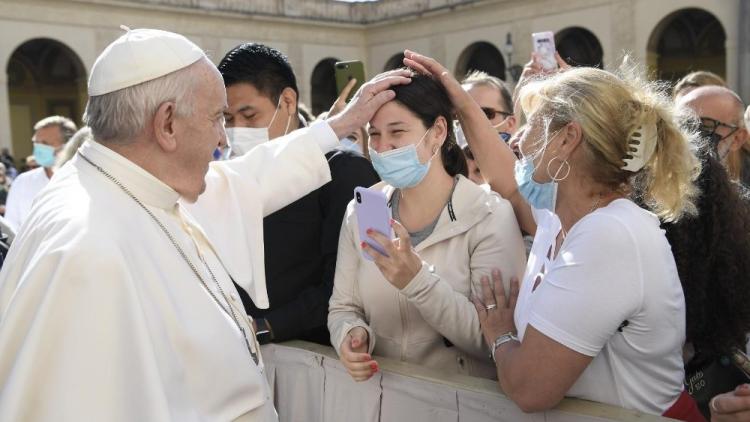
{"x": 164, "y": 126}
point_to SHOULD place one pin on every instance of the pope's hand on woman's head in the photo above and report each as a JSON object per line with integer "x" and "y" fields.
{"x": 367, "y": 101}
{"x": 429, "y": 66}
{"x": 401, "y": 263}
{"x": 495, "y": 309}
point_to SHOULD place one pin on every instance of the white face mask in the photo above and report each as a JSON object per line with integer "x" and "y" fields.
{"x": 243, "y": 139}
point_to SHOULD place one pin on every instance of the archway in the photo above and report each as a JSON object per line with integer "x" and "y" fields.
{"x": 323, "y": 85}
{"x": 395, "y": 62}
{"x": 579, "y": 47}
{"x": 45, "y": 78}
{"x": 481, "y": 56}
{"x": 687, "y": 40}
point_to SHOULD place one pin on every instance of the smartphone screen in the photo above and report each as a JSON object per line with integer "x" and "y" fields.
{"x": 373, "y": 212}
{"x": 346, "y": 71}
{"x": 544, "y": 46}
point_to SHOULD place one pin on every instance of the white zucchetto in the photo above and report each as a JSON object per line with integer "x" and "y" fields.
{"x": 140, "y": 55}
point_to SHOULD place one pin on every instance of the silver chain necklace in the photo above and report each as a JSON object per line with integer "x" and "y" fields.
{"x": 184, "y": 256}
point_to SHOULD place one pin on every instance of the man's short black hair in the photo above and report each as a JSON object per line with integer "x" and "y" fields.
{"x": 261, "y": 66}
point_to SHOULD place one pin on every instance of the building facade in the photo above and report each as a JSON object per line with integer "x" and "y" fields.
{"x": 47, "y": 47}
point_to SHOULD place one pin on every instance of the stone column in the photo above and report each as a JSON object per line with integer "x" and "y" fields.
{"x": 5, "y": 132}
{"x": 742, "y": 52}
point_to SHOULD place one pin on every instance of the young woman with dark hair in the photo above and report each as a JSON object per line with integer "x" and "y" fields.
{"x": 413, "y": 303}
{"x": 712, "y": 253}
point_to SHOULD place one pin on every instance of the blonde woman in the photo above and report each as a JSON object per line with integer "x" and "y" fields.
{"x": 601, "y": 313}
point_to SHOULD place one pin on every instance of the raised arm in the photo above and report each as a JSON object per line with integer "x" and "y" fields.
{"x": 495, "y": 158}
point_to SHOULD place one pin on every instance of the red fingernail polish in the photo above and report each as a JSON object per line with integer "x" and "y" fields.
{"x": 368, "y": 231}
{"x": 362, "y": 245}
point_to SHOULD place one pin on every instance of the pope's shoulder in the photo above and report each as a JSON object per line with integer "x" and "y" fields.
{"x": 76, "y": 209}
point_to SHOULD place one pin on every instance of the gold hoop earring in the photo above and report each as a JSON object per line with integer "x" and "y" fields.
{"x": 564, "y": 164}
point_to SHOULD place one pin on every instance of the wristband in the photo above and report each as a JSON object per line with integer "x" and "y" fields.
{"x": 500, "y": 340}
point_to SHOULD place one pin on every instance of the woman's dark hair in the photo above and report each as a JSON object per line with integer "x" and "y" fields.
{"x": 428, "y": 100}
{"x": 712, "y": 252}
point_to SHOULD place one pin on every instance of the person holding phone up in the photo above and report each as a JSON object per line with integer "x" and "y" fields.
{"x": 411, "y": 301}
{"x": 600, "y": 314}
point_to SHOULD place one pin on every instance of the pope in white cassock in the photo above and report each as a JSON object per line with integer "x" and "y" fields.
{"x": 116, "y": 300}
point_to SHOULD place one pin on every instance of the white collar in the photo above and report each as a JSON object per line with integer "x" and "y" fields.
{"x": 144, "y": 185}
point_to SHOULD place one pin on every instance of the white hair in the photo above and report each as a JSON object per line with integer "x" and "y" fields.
{"x": 67, "y": 127}
{"x": 122, "y": 115}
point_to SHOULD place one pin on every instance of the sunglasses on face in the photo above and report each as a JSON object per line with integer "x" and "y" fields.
{"x": 491, "y": 113}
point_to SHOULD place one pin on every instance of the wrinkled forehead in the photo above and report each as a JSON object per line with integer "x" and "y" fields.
{"x": 210, "y": 92}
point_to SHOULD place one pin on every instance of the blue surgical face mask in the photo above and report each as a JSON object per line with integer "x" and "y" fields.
{"x": 401, "y": 167}
{"x": 347, "y": 144}
{"x": 538, "y": 195}
{"x": 44, "y": 155}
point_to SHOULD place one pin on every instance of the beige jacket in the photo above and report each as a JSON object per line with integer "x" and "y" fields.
{"x": 431, "y": 321}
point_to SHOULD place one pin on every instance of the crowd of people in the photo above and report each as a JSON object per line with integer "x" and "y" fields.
{"x": 584, "y": 234}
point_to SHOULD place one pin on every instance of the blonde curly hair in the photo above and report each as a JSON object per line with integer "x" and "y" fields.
{"x": 610, "y": 108}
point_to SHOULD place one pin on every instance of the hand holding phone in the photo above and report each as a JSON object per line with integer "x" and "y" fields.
{"x": 345, "y": 71}
{"x": 373, "y": 212}
{"x": 544, "y": 47}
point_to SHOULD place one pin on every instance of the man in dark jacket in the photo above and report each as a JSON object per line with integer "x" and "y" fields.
{"x": 301, "y": 240}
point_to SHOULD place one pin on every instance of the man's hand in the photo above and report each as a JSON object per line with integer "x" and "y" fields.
{"x": 731, "y": 406}
{"x": 354, "y": 356}
{"x": 367, "y": 101}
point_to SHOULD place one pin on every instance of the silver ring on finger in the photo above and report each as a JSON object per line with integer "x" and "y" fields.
{"x": 490, "y": 306}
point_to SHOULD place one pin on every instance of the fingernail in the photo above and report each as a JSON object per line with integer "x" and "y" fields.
{"x": 362, "y": 245}
{"x": 744, "y": 387}
{"x": 393, "y": 222}
{"x": 368, "y": 231}
{"x": 374, "y": 366}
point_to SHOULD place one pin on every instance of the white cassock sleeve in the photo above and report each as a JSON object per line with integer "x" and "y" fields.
{"x": 85, "y": 336}
{"x": 241, "y": 192}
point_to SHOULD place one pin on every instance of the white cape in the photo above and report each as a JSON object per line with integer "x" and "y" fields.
{"x": 102, "y": 320}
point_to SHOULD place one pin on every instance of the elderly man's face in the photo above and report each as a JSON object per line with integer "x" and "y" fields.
{"x": 200, "y": 133}
{"x": 721, "y": 111}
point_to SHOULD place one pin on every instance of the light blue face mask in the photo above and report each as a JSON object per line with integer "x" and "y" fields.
{"x": 538, "y": 195}
{"x": 44, "y": 155}
{"x": 401, "y": 167}
{"x": 347, "y": 144}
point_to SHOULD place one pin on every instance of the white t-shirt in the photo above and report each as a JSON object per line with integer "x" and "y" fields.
{"x": 21, "y": 195}
{"x": 615, "y": 265}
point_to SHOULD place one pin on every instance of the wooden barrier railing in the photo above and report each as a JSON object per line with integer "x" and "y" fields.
{"x": 311, "y": 385}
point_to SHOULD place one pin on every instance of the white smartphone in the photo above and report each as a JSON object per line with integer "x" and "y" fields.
{"x": 544, "y": 46}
